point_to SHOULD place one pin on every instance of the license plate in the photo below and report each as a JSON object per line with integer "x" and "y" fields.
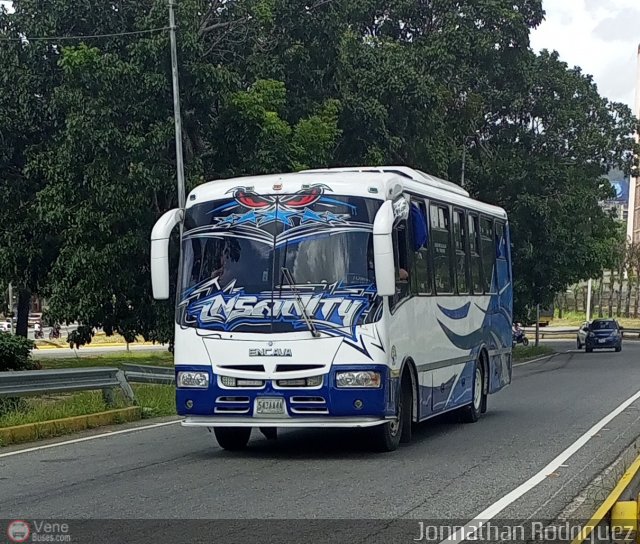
{"x": 602, "y": 340}
{"x": 269, "y": 407}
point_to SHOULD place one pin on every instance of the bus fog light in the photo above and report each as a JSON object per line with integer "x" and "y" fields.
{"x": 314, "y": 381}
{"x": 358, "y": 379}
{"x": 189, "y": 404}
{"x": 198, "y": 380}
{"x": 357, "y": 404}
{"x": 228, "y": 381}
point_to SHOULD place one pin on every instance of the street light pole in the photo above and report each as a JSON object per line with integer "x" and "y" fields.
{"x": 11, "y": 308}
{"x": 176, "y": 107}
{"x": 464, "y": 157}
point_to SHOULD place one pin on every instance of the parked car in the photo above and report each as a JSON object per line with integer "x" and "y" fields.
{"x": 600, "y": 334}
{"x": 5, "y": 326}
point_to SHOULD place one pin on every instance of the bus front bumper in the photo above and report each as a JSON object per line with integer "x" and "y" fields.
{"x": 314, "y": 422}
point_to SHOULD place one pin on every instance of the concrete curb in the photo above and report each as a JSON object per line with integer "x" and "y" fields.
{"x": 47, "y": 429}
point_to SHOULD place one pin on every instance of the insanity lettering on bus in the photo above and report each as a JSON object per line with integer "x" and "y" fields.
{"x": 328, "y": 306}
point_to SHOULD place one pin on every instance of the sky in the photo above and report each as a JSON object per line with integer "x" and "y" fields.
{"x": 600, "y": 36}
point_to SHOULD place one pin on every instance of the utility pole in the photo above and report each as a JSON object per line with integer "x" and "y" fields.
{"x": 464, "y": 157}
{"x": 176, "y": 107}
{"x": 537, "y": 325}
{"x": 11, "y": 308}
{"x": 589, "y": 300}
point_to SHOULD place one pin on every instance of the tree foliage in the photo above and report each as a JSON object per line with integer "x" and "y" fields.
{"x": 88, "y": 158}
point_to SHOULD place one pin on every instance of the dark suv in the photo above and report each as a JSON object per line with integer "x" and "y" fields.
{"x": 600, "y": 334}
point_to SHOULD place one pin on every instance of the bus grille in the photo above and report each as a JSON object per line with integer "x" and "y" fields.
{"x": 232, "y": 405}
{"x": 308, "y": 405}
{"x": 296, "y": 368}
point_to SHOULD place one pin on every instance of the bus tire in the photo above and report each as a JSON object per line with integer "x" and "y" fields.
{"x": 386, "y": 437}
{"x": 407, "y": 402}
{"x": 471, "y": 412}
{"x": 232, "y": 438}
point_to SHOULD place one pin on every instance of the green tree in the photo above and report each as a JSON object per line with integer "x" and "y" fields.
{"x": 277, "y": 85}
{"x": 544, "y": 160}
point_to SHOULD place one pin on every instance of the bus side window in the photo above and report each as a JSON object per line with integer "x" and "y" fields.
{"x": 401, "y": 259}
{"x": 501, "y": 241}
{"x": 421, "y": 273}
{"x": 488, "y": 247}
{"x": 474, "y": 253}
{"x": 460, "y": 241}
{"x": 441, "y": 241}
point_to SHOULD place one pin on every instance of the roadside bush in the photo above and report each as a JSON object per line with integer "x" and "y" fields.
{"x": 15, "y": 353}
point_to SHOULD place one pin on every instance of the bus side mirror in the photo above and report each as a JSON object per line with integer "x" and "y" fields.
{"x": 160, "y": 252}
{"x": 383, "y": 250}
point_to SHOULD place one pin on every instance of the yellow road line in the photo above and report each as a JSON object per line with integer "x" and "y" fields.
{"x": 608, "y": 503}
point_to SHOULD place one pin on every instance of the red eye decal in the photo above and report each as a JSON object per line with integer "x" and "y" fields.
{"x": 251, "y": 199}
{"x": 305, "y": 197}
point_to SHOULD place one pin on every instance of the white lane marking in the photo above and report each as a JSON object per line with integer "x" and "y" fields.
{"x": 492, "y": 511}
{"x": 87, "y": 438}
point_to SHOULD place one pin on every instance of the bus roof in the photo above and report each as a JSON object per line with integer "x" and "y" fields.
{"x": 378, "y": 182}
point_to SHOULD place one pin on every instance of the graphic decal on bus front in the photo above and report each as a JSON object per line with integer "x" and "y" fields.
{"x": 289, "y": 210}
{"x": 331, "y": 308}
{"x": 287, "y": 218}
{"x": 240, "y": 255}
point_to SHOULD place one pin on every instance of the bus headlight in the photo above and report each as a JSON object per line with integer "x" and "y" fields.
{"x": 358, "y": 379}
{"x": 198, "y": 380}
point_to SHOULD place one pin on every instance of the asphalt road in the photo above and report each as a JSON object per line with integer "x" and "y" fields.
{"x": 451, "y": 471}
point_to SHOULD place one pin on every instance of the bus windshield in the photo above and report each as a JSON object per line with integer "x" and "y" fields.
{"x": 234, "y": 252}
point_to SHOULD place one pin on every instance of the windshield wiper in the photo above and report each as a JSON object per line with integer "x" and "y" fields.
{"x": 305, "y": 316}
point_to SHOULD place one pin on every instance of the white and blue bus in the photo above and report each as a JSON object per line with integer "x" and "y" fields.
{"x": 372, "y": 297}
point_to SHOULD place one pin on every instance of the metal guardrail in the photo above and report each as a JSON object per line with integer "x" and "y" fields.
{"x": 149, "y": 374}
{"x": 38, "y": 382}
{"x": 530, "y": 331}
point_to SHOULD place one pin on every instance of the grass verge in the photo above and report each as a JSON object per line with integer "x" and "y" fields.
{"x": 154, "y": 358}
{"x": 154, "y": 400}
{"x": 521, "y": 353}
{"x": 575, "y": 319}
{"x": 68, "y": 409}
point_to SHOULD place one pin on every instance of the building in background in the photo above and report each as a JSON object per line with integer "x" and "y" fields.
{"x": 633, "y": 222}
{"x": 620, "y": 203}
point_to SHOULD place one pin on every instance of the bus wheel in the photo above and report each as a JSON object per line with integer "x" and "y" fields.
{"x": 407, "y": 403}
{"x": 386, "y": 437}
{"x": 471, "y": 412}
{"x": 232, "y": 438}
